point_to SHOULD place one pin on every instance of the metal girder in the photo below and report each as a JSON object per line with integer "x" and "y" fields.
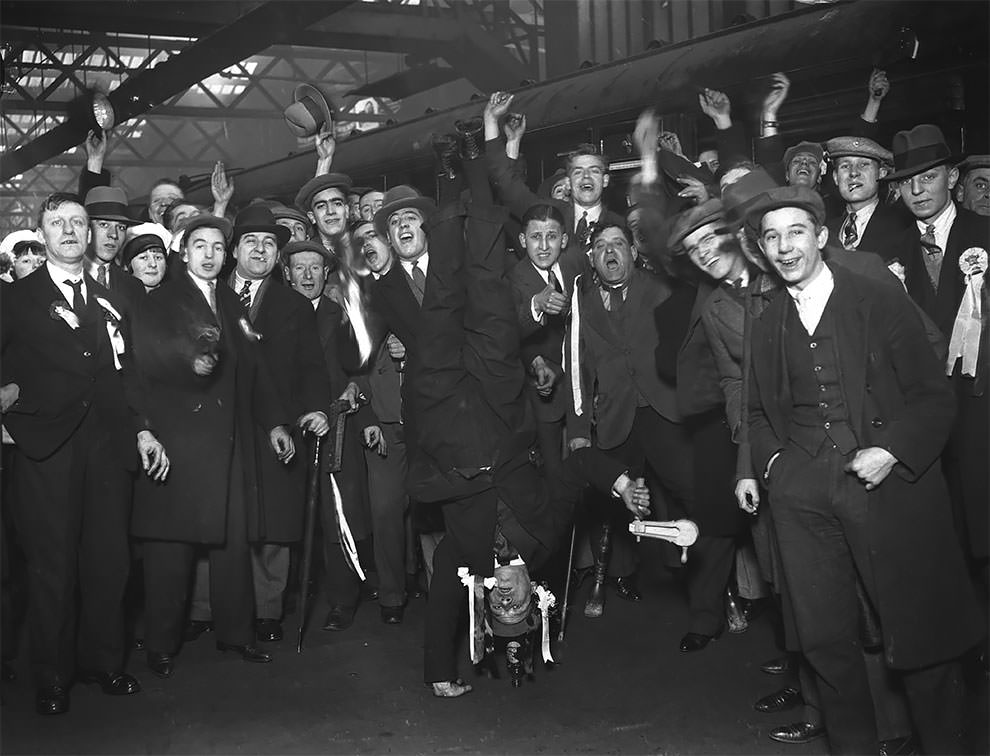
{"x": 406, "y": 83}
{"x": 267, "y": 23}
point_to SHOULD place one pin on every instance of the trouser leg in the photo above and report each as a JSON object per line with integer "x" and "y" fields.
{"x": 199, "y": 601}
{"x": 937, "y": 698}
{"x": 389, "y": 505}
{"x": 270, "y": 575}
{"x": 231, "y": 589}
{"x": 709, "y": 566}
{"x": 443, "y": 612}
{"x": 167, "y": 570}
{"x": 889, "y": 701}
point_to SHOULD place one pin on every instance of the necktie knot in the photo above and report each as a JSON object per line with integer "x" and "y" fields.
{"x": 245, "y": 294}
{"x": 78, "y": 303}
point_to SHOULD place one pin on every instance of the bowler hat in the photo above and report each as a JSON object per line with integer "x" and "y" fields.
{"x": 690, "y": 220}
{"x": 854, "y": 146}
{"x": 787, "y": 196}
{"x": 258, "y": 219}
{"x": 813, "y": 148}
{"x": 740, "y": 194}
{"x": 208, "y": 220}
{"x": 399, "y": 198}
{"x": 309, "y": 245}
{"x": 919, "y": 149}
{"x": 107, "y": 203}
{"x": 310, "y": 109}
{"x": 304, "y": 198}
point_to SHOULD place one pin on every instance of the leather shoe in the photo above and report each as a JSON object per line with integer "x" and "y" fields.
{"x": 161, "y": 664}
{"x": 779, "y": 666}
{"x": 798, "y": 732}
{"x": 195, "y": 628}
{"x": 268, "y": 630}
{"x": 339, "y": 618}
{"x": 625, "y": 588}
{"x": 112, "y": 683}
{"x": 392, "y": 615}
{"x": 904, "y": 746}
{"x": 247, "y": 653}
{"x": 782, "y": 700}
{"x": 52, "y": 699}
{"x": 695, "y": 642}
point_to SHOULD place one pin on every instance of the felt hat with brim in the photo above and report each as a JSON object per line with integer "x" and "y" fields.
{"x": 740, "y": 194}
{"x": 284, "y": 211}
{"x": 258, "y": 219}
{"x": 675, "y": 166}
{"x": 399, "y": 198}
{"x": 304, "y": 197}
{"x": 854, "y": 146}
{"x": 786, "y": 196}
{"x": 919, "y": 149}
{"x": 690, "y": 220}
{"x": 309, "y": 245}
{"x": 546, "y": 187}
{"x": 309, "y": 110}
{"x": 974, "y": 161}
{"x": 16, "y": 237}
{"x": 107, "y": 203}
{"x": 812, "y": 148}
{"x": 142, "y": 243}
{"x": 207, "y": 220}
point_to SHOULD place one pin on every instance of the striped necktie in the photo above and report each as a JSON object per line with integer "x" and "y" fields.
{"x": 933, "y": 255}
{"x": 245, "y": 295}
{"x": 849, "y": 233}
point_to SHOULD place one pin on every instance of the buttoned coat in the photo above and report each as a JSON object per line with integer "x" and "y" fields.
{"x": 897, "y": 399}
{"x": 884, "y": 229}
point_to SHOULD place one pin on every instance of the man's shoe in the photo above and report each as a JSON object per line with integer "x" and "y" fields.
{"x": 162, "y": 665}
{"x": 904, "y": 746}
{"x": 695, "y": 642}
{"x": 779, "y": 666}
{"x": 52, "y": 699}
{"x": 339, "y": 617}
{"x": 247, "y": 653}
{"x": 111, "y": 683}
{"x": 392, "y": 615}
{"x": 268, "y": 630}
{"x": 798, "y": 732}
{"x": 625, "y": 588}
{"x": 195, "y": 628}
{"x": 782, "y": 700}
{"x": 472, "y": 134}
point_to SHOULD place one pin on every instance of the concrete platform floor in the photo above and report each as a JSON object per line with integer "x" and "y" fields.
{"x": 621, "y": 686}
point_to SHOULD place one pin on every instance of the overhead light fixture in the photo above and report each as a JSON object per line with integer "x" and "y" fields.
{"x": 103, "y": 112}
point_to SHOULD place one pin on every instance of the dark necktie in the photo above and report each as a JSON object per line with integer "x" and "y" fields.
{"x": 102, "y": 278}
{"x": 933, "y": 255}
{"x": 245, "y": 295}
{"x": 78, "y": 303}
{"x": 613, "y": 298}
{"x": 419, "y": 282}
{"x": 582, "y": 230}
{"x": 212, "y": 286}
{"x": 552, "y": 280}
{"x": 849, "y": 233}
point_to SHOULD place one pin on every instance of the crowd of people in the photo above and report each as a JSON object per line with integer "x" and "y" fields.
{"x": 785, "y": 344}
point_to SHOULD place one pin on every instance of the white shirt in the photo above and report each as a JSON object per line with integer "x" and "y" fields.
{"x": 315, "y": 302}
{"x": 811, "y": 300}
{"x": 254, "y": 285}
{"x": 60, "y": 277}
{"x": 594, "y": 213}
{"x": 943, "y": 225}
{"x": 863, "y": 216}
{"x": 422, "y": 262}
{"x": 93, "y": 268}
{"x": 537, "y": 315}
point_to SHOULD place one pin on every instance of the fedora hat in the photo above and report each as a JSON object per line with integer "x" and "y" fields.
{"x": 258, "y": 219}
{"x": 919, "y": 149}
{"x": 309, "y": 110}
{"x": 108, "y": 203}
{"x": 690, "y": 220}
{"x": 399, "y": 198}
{"x": 304, "y": 197}
{"x": 740, "y": 194}
{"x": 786, "y": 196}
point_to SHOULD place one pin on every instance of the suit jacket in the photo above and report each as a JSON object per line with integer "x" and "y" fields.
{"x": 544, "y": 339}
{"x": 290, "y": 348}
{"x": 129, "y": 290}
{"x": 897, "y": 399}
{"x": 65, "y": 373}
{"x": 887, "y": 224}
{"x": 617, "y": 361}
{"x": 208, "y": 423}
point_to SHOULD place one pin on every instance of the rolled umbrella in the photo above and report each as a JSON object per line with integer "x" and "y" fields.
{"x": 312, "y": 496}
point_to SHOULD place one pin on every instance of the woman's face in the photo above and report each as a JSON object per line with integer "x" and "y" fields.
{"x": 149, "y": 267}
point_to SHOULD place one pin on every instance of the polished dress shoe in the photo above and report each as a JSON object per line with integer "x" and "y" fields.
{"x": 392, "y": 615}
{"x": 111, "y": 683}
{"x": 779, "y": 666}
{"x": 625, "y": 588}
{"x": 695, "y": 642}
{"x": 52, "y": 699}
{"x": 903, "y": 746}
{"x": 339, "y": 617}
{"x": 268, "y": 630}
{"x": 782, "y": 700}
{"x": 247, "y": 653}
{"x": 161, "y": 664}
{"x": 798, "y": 732}
{"x": 195, "y": 628}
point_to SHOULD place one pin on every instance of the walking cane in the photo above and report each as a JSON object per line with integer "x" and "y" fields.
{"x": 567, "y": 585}
{"x": 312, "y": 496}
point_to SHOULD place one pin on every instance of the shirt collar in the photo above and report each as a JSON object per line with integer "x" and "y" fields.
{"x": 942, "y": 222}
{"x": 423, "y": 262}
{"x": 60, "y": 276}
{"x": 594, "y": 213}
{"x": 819, "y": 286}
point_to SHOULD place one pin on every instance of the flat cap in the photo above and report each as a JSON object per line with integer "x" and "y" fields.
{"x": 786, "y": 196}
{"x": 309, "y": 246}
{"x": 207, "y": 220}
{"x": 974, "y": 161}
{"x": 813, "y": 148}
{"x": 690, "y": 220}
{"x": 854, "y": 146}
{"x": 314, "y": 186}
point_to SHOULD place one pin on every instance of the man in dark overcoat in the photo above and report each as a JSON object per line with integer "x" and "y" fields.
{"x": 848, "y": 413}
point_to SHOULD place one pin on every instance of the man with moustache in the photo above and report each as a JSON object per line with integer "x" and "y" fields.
{"x": 848, "y": 413}
{"x": 73, "y": 424}
{"x": 107, "y": 210}
{"x": 973, "y": 188}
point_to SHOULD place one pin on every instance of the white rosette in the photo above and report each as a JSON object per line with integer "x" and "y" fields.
{"x": 968, "y": 327}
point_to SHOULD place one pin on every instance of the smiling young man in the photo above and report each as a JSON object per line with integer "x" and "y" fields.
{"x": 324, "y": 199}
{"x": 848, "y": 413}
{"x": 108, "y": 220}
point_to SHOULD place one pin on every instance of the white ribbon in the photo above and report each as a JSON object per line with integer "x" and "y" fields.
{"x": 968, "y": 326}
{"x": 71, "y": 319}
{"x": 346, "y": 538}
{"x": 472, "y": 582}
{"x": 576, "y": 350}
{"x": 355, "y": 314}
{"x": 545, "y": 601}
{"x": 113, "y": 331}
